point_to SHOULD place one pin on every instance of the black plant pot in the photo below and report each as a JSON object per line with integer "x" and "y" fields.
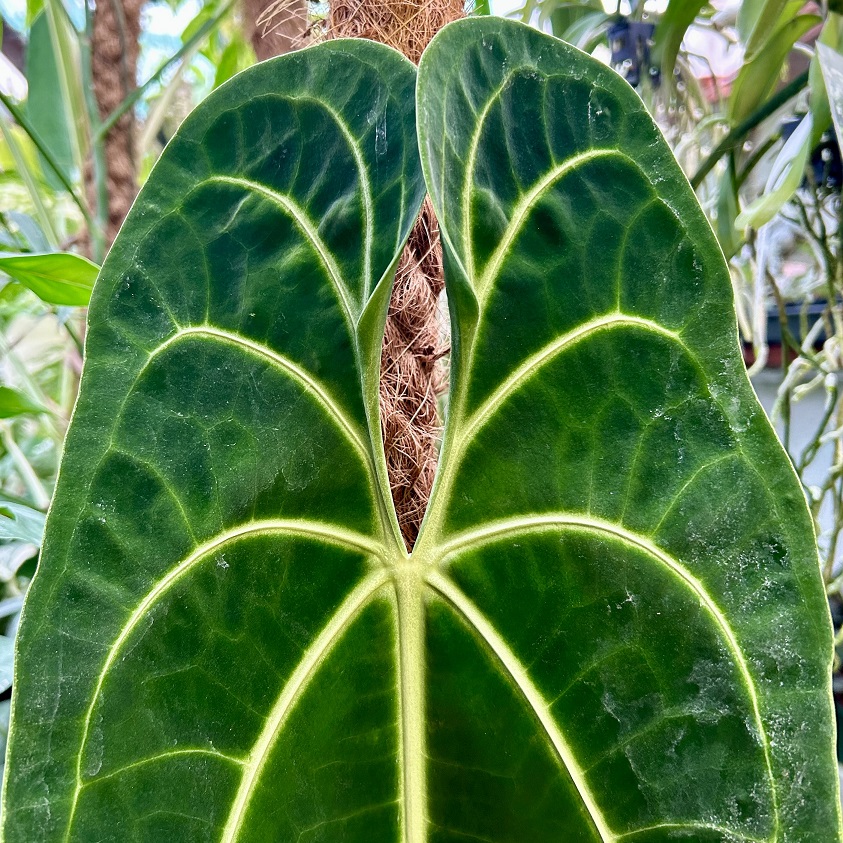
{"x": 793, "y": 310}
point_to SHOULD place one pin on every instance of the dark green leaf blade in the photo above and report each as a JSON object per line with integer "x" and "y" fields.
{"x": 616, "y": 536}
{"x": 213, "y": 560}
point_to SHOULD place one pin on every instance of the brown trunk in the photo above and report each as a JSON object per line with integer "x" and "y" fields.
{"x": 275, "y": 27}
{"x": 409, "y": 380}
{"x": 114, "y": 63}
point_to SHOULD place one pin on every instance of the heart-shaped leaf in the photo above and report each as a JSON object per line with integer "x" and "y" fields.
{"x": 612, "y": 626}
{"x": 616, "y": 538}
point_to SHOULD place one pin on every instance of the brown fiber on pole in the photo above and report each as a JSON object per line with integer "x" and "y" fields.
{"x": 275, "y": 27}
{"x": 412, "y": 345}
{"x": 406, "y": 25}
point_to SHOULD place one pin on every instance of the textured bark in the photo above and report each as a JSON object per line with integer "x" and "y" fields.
{"x": 114, "y": 63}
{"x": 410, "y": 382}
{"x": 275, "y": 27}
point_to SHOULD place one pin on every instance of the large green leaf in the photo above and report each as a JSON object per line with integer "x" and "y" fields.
{"x": 612, "y": 626}
{"x": 628, "y": 638}
{"x": 212, "y": 569}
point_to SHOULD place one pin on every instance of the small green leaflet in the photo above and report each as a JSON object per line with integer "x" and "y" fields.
{"x": 57, "y": 277}
{"x": 19, "y": 522}
{"x": 612, "y": 627}
{"x": 15, "y": 403}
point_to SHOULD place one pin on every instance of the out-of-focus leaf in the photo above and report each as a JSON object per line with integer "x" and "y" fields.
{"x": 5, "y": 712}
{"x": 15, "y": 403}
{"x": 8, "y": 161}
{"x": 758, "y": 77}
{"x": 7, "y": 670}
{"x": 19, "y": 522}
{"x": 30, "y": 180}
{"x": 727, "y": 211}
{"x": 33, "y": 9}
{"x": 65, "y": 41}
{"x": 785, "y": 177}
{"x": 480, "y": 7}
{"x": 561, "y": 16}
{"x": 10, "y": 606}
{"x": 30, "y": 231}
{"x": 758, "y": 20}
{"x": 586, "y": 30}
{"x": 14, "y": 555}
{"x": 44, "y": 105}
{"x": 831, "y": 38}
{"x": 55, "y": 277}
{"x": 831, "y": 63}
{"x": 670, "y": 31}
{"x": 237, "y": 56}
{"x": 28, "y": 566}
{"x": 205, "y": 13}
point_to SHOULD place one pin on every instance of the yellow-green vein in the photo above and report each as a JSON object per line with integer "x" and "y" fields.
{"x": 315, "y": 529}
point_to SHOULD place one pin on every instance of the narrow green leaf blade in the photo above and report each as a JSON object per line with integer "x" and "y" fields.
{"x": 785, "y": 176}
{"x": 44, "y": 105}
{"x": 758, "y": 19}
{"x": 831, "y": 63}
{"x": 208, "y": 647}
{"x": 55, "y": 277}
{"x": 15, "y": 403}
{"x": 758, "y": 76}
{"x": 670, "y": 31}
{"x": 623, "y": 564}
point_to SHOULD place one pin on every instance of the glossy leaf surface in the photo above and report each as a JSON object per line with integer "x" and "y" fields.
{"x": 227, "y": 642}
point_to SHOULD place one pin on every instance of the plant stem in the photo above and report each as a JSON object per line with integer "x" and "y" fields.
{"x": 97, "y": 230}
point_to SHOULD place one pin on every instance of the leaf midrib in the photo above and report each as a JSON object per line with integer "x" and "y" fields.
{"x": 420, "y": 575}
